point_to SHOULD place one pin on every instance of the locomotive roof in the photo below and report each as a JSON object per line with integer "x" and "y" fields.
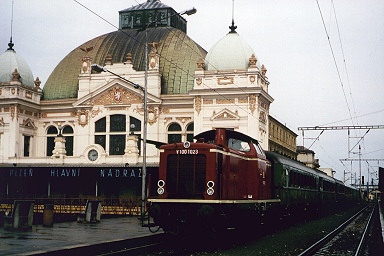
{"x": 295, "y": 164}
{"x": 210, "y": 135}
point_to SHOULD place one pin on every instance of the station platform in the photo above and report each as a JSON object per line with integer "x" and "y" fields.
{"x": 64, "y": 235}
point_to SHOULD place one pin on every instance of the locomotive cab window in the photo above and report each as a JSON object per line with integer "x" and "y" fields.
{"x": 258, "y": 148}
{"x": 238, "y": 145}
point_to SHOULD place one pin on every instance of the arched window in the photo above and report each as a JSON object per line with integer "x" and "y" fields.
{"x": 68, "y": 134}
{"x": 100, "y": 132}
{"x": 27, "y": 144}
{"x": 135, "y": 128}
{"x": 51, "y": 134}
{"x": 174, "y": 133}
{"x": 189, "y": 132}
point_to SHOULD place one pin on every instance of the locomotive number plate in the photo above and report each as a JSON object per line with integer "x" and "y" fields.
{"x": 187, "y": 151}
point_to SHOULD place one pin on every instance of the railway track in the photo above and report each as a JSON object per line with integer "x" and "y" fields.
{"x": 136, "y": 246}
{"x": 347, "y": 239}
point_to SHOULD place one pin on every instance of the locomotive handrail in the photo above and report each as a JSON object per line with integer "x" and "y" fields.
{"x": 196, "y": 201}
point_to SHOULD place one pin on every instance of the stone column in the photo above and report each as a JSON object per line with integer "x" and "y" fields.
{"x": 59, "y": 151}
{"x": 131, "y": 150}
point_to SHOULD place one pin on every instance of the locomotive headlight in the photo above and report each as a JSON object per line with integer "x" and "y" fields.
{"x": 161, "y": 183}
{"x": 210, "y": 190}
{"x": 187, "y": 144}
{"x": 160, "y": 191}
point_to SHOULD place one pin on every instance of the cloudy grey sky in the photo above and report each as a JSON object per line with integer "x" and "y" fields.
{"x": 289, "y": 38}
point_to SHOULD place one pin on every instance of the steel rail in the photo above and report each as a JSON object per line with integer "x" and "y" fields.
{"x": 316, "y": 246}
{"x": 132, "y": 246}
{"x": 361, "y": 245}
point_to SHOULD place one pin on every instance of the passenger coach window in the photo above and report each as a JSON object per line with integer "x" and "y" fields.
{"x": 238, "y": 145}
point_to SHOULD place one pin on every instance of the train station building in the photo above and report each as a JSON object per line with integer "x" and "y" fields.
{"x": 81, "y": 133}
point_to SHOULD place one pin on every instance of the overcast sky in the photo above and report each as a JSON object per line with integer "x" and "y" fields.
{"x": 288, "y": 37}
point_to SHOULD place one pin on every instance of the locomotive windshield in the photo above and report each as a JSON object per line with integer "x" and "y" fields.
{"x": 239, "y": 145}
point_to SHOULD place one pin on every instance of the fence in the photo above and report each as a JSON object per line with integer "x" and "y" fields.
{"x": 110, "y": 205}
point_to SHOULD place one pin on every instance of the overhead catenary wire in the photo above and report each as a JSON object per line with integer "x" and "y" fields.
{"x": 344, "y": 61}
{"x": 335, "y": 62}
{"x": 346, "y": 70}
{"x": 337, "y": 68}
{"x": 367, "y": 114}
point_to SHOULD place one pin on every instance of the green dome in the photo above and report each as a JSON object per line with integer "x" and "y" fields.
{"x": 178, "y": 57}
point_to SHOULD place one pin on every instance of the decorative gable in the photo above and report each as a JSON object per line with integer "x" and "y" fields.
{"x": 113, "y": 93}
{"x": 28, "y": 123}
{"x": 225, "y": 114}
{"x": 115, "y": 96}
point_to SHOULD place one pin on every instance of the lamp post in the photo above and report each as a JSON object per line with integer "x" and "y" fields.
{"x": 144, "y": 172}
{"x": 99, "y": 68}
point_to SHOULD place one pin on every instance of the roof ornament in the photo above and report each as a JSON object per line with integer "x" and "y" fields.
{"x": 233, "y": 27}
{"x": 10, "y": 45}
{"x": 252, "y": 61}
{"x": 128, "y": 58}
{"x": 153, "y": 56}
{"x": 200, "y": 64}
{"x": 263, "y": 70}
{"x": 37, "y": 83}
{"x": 16, "y": 75}
{"x": 86, "y": 59}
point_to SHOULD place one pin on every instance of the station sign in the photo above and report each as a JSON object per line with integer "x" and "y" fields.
{"x": 72, "y": 172}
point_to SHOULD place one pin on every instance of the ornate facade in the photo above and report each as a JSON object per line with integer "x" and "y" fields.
{"x": 282, "y": 140}
{"x": 88, "y": 125}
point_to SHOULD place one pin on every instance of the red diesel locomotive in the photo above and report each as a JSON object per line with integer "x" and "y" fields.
{"x": 223, "y": 181}
{"x": 210, "y": 181}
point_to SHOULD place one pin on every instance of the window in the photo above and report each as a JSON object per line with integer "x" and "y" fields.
{"x": 100, "y": 127}
{"x": 117, "y": 123}
{"x": 189, "y": 132}
{"x": 126, "y": 20}
{"x": 135, "y": 128}
{"x": 117, "y": 142}
{"x": 27, "y": 141}
{"x": 137, "y": 19}
{"x": 238, "y": 145}
{"x": 174, "y": 133}
{"x": 68, "y": 134}
{"x": 51, "y": 134}
{"x": 259, "y": 150}
{"x": 111, "y": 132}
{"x": 178, "y": 134}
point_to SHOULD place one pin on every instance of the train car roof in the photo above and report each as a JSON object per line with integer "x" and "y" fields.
{"x": 275, "y": 157}
{"x": 210, "y": 135}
